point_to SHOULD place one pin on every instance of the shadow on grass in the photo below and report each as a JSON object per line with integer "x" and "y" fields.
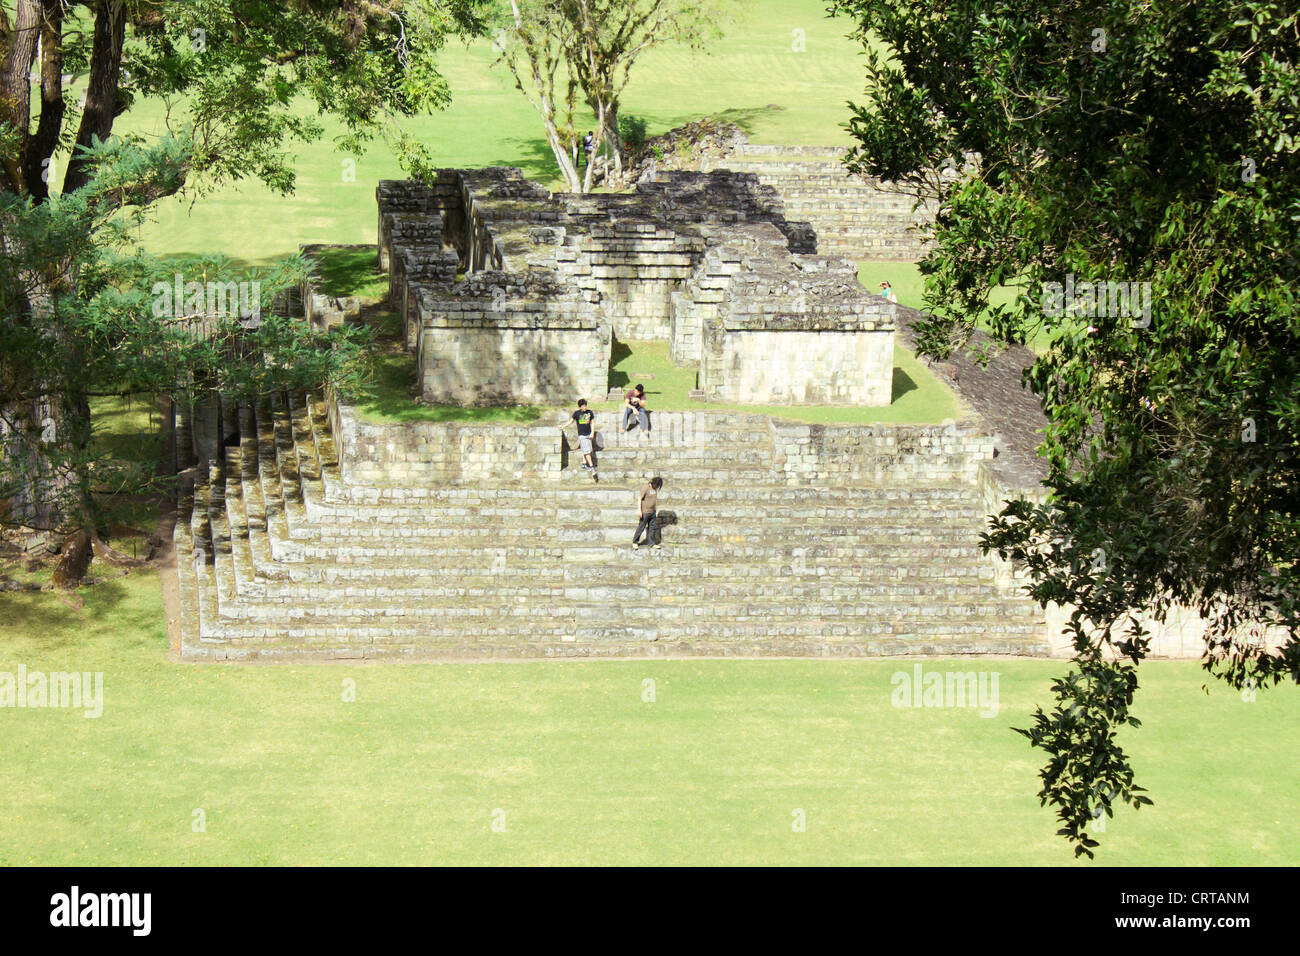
{"x": 903, "y": 384}
{"x": 618, "y": 352}
{"x": 350, "y": 271}
{"x": 746, "y": 118}
{"x": 50, "y": 624}
{"x": 386, "y": 323}
{"x": 534, "y": 158}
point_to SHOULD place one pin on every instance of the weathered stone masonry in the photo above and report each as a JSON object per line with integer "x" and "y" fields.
{"x": 510, "y": 294}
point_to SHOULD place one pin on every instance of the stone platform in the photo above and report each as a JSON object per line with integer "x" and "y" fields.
{"x": 781, "y": 539}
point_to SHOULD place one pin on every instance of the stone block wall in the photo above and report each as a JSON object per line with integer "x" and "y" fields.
{"x": 764, "y": 367}
{"x": 906, "y": 455}
{"x": 634, "y": 267}
{"x": 499, "y": 339}
{"x": 792, "y": 453}
{"x": 404, "y": 453}
{"x": 500, "y": 363}
{"x": 706, "y": 261}
{"x": 797, "y": 330}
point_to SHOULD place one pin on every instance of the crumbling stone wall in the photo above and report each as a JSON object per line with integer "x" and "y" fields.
{"x": 793, "y": 330}
{"x": 395, "y": 454}
{"x": 401, "y": 453}
{"x": 510, "y": 294}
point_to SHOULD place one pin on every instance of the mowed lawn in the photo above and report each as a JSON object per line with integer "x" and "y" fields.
{"x": 753, "y": 76}
{"x": 580, "y": 769}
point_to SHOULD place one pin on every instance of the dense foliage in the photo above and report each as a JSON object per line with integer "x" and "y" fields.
{"x": 83, "y": 310}
{"x": 1131, "y": 168}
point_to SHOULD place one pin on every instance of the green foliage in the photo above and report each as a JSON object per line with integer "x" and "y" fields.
{"x": 234, "y": 72}
{"x": 84, "y": 311}
{"x": 632, "y": 129}
{"x": 1120, "y": 142}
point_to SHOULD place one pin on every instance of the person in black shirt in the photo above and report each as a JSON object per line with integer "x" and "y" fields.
{"x": 583, "y": 418}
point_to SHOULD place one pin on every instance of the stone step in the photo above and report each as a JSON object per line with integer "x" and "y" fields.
{"x": 888, "y": 539}
{"x": 454, "y": 611}
{"x": 662, "y": 589}
{"x": 499, "y": 563}
{"x": 515, "y": 647}
{"x": 758, "y": 492}
{"x": 595, "y": 623}
{"x": 607, "y": 547}
{"x": 460, "y": 536}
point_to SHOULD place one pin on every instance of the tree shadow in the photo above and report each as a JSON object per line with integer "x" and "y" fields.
{"x": 745, "y": 118}
{"x": 52, "y": 624}
{"x": 349, "y": 270}
{"x": 534, "y": 158}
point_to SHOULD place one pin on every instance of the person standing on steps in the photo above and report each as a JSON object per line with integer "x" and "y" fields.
{"x": 647, "y": 507}
{"x": 583, "y": 418}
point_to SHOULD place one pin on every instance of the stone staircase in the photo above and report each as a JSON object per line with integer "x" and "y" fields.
{"x": 851, "y": 216}
{"x": 282, "y": 558}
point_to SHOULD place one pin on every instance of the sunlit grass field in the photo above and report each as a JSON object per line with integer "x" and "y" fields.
{"x": 583, "y": 769}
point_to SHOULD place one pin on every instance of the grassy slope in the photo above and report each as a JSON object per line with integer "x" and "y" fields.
{"x": 752, "y": 75}
{"x": 410, "y": 773}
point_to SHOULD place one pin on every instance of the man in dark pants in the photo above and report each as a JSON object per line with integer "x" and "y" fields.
{"x": 647, "y": 506}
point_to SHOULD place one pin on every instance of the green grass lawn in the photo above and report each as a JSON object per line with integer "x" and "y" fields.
{"x": 919, "y": 397}
{"x": 753, "y": 76}
{"x": 712, "y": 771}
{"x": 346, "y": 271}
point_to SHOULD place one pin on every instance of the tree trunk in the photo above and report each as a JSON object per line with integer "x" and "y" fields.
{"x": 101, "y": 88}
{"x": 614, "y": 138}
{"x": 72, "y": 566}
{"x": 568, "y": 170}
{"x": 19, "y": 48}
{"x": 37, "y": 170}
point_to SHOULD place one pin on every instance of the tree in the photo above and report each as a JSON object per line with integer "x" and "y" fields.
{"x": 534, "y": 50}
{"x": 597, "y": 42}
{"x": 234, "y": 75}
{"x": 1089, "y": 153}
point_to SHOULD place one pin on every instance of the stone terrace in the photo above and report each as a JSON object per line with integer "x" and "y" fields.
{"x": 426, "y": 541}
{"x": 512, "y": 294}
{"x": 853, "y": 216}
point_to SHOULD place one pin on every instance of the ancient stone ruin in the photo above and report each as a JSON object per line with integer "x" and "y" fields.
{"x": 512, "y": 295}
